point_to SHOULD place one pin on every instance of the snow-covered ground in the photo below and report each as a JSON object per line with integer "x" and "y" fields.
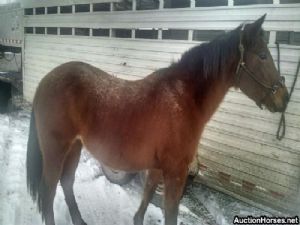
{"x": 100, "y": 201}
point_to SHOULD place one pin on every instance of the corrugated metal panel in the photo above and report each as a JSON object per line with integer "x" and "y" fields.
{"x": 238, "y": 153}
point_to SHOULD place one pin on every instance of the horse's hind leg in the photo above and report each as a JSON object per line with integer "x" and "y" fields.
{"x": 53, "y": 158}
{"x": 152, "y": 180}
{"x": 67, "y": 181}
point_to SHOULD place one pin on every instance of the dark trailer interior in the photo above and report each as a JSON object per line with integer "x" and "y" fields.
{"x": 10, "y": 79}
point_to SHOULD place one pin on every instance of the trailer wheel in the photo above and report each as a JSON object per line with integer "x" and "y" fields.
{"x": 117, "y": 176}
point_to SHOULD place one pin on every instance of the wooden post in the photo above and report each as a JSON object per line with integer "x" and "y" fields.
{"x": 133, "y": 5}
{"x": 159, "y": 34}
{"x": 230, "y": 2}
{"x": 190, "y": 35}
{"x": 272, "y": 37}
{"x": 193, "y": 4}
{"x": 161, "y": 4}
{"x": 111, "y": 32}
{"x": 291, "y": 37}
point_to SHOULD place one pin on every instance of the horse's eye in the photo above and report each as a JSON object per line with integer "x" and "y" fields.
{"x": 262, "y": 55}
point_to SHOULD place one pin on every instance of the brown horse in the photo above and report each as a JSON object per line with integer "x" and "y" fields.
{"x": 151, "y": 124}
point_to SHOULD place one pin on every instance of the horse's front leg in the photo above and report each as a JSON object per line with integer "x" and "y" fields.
{"x": 154, "y": 176}
{"x": 174, "y": 186}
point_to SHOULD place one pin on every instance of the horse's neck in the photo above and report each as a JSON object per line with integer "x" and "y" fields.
{"x": 211, "y": 101}
{"x": 209, "y": 95}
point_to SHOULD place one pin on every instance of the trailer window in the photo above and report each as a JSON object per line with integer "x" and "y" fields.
{"x": 177, "y": 3}
{"x": 28, "y": 11}
{"x": 40, "y": 30}
{"x": 125, "y": 5}
{"x": 40, "y": 10}
{"x": 251, "y": 2}
{"x": 289, "y": 1}
{"x": 52, "y": 10}
{"x": 146, "y": 34}
{"x": 206, "y": 35}
{"x": 82, "y": 8}
{"x": 121, "y": 33}
{"x": 65, "y": 31}
{"x": 101, "y": 7}
{"x": 147, "y": 4}
{"x": 101, "y": 32}
{"x": 174, "y": 34}
{"x": 209, "y": 3}
{"x": 82, "y": 31}
{"x": 66, "y": 9}
{"x": 28, "y": 30}
{"x": 51, "y": 30}
{"x": 288, "y": 37}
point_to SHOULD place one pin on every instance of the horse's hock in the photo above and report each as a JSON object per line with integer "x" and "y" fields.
{"x": 238, "y": 153}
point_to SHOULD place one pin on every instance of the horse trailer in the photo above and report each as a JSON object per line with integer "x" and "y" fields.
{"x": 239, "y": 153}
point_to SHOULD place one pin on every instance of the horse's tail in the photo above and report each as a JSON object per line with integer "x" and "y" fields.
{"x": 34, "y": 161}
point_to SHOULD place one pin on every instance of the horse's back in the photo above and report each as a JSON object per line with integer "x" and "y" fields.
{"x": 66, "y": 93}
{"x": 79, "y": 96}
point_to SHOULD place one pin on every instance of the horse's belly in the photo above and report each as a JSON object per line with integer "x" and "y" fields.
{"x": 122, "y": 157}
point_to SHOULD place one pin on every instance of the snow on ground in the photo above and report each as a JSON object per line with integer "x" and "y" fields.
{"x": 100, "y": 201}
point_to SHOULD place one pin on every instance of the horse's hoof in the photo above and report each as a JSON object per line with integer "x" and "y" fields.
{"x": 81, "y": 223}
{"x": 137, "y": 220}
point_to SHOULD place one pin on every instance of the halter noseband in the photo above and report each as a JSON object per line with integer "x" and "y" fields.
{"x": 242, "y": 65}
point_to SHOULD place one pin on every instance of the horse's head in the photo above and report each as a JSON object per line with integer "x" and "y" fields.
{"x": 256, "y": 74}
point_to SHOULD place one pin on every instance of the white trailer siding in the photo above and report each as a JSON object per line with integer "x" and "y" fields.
{"x": 11, "y": 34}
{"x": 11, "y": 27}
{"x": 239, "y": 153}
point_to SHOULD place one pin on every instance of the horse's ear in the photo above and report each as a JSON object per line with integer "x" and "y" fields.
{"x": 260, "y": 21}
{"x": 255, "y": 28}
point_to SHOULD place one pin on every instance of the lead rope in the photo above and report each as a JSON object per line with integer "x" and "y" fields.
{"x": 282, "y": 125}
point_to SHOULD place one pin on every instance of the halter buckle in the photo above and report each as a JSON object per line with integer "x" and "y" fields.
{"x": 282, "y": 81}
{"x": 274, "y": 89}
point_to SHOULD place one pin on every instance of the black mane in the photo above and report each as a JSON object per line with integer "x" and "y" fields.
{"x": 209, "y": 60}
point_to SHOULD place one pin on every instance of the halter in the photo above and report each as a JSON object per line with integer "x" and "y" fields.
{"x": 242, "y": 65}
